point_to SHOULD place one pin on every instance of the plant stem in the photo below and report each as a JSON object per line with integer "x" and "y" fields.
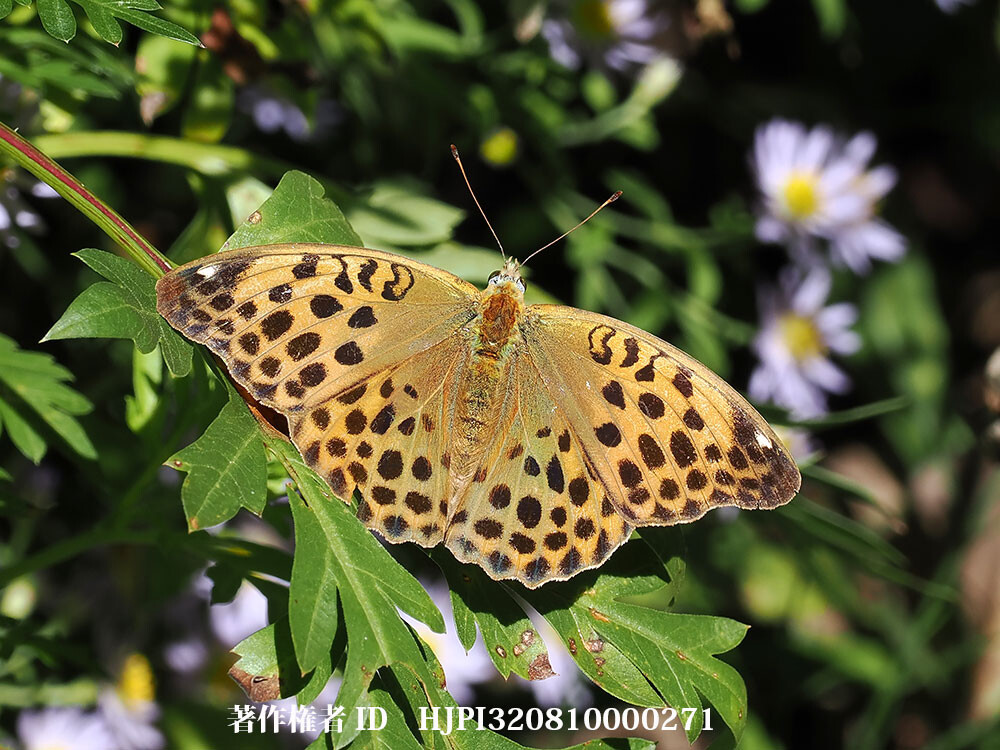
{"x": 25, "y": 154}
{"x": 206, "y": 158}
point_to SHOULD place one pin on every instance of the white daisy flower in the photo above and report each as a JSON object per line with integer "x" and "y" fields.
{"x": 129, "y": 707}
{"x": 67, "y": 728}
{"x": 797, "y": 335}
{"x": 816, "y": 186}
{"x": 619, "y": 33}
{"x": 461, "y": 670}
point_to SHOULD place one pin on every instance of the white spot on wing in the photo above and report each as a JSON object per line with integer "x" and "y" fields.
{"x": 763, "y": 441}
{"x": 208, "y": 271}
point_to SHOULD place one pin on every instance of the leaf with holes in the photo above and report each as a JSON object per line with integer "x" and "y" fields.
{"x": 645, "y": 656}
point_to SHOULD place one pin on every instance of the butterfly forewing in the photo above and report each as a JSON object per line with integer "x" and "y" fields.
{"x": 297, "y": 324}
{"x": 670, "y": 437}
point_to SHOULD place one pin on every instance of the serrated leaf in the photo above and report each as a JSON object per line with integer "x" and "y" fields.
{"x": 370, "y": 583}
{"x": 511, "y": 639}
{"x": 226, "y": 467}
{"x": 677, "y": 654}
{"x": 625, "y": 647}
{"x": 124, "y": 307}
{"x": 297, "y": 211}
{"x": 34, "y": 388}
{"x": 407, "y": 693}
{"x": 395, "y": 735}
{"x": 312, "y": 611}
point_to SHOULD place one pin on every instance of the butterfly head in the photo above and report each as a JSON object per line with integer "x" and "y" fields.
{"x": 507, "y": 280}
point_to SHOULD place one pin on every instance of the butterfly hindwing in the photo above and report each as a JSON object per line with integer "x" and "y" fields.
{"x": 536, "y": 510}
{"x": 669, "y": 436}
{"x": 388, "y": 436}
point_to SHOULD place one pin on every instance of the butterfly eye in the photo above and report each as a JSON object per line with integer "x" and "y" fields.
{"x": 493, "y": 277}
{"x": 520, "y": 285}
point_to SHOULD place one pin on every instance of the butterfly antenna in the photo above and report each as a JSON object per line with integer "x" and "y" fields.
{"x": 454, "y": 152}
{"x": 608, "y": 202}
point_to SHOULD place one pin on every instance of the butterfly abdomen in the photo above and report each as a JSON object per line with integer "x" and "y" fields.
{"x": 483, "y": 384}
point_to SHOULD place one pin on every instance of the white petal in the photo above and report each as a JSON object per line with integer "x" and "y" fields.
{"x": 844, "y": 210}
{"x": 812, "y": 292}
{"x": 800, "y": 397}
{"x": 843, "y": 342}
{"x": 826, "y": 375}
{"x": 835, "y": 317}
{"x": 861, "y": 148}
{"x": 815, "y": 150}
{"x": 879, "y": 181}
{"x": 770, "y": 229}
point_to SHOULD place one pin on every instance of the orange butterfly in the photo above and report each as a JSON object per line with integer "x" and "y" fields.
{"x": 530, "y": 439}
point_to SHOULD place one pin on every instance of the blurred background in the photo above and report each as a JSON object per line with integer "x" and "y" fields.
{"x": 810, "y": 208}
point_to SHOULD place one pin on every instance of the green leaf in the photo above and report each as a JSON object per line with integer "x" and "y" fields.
{"x": 297, "y": 211}
{"x": 370, "y": 583}
{"x": 856, "y": 414}
{"x": 209, "y": 108}
{"x": 408, "y": 694}
{"x": 124, "y": 307}
{"x": 312, "y": 610}
{"x": 676, "y": 654}
{"x": 32, "y": 389}
{"x": 266, "y": 669}
{"x": 396, "y": 214}
{"x": 58, "y": 20}
{"x": 165, "y": 75}
{"x": 226, "y": 467}
{"x": 394, "y": 735}
{"x": 511, "y": 639}
{"x": 623, "y": 647}
{"x": 6, "y": 6}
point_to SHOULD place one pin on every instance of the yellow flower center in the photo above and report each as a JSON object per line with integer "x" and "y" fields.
{"x": 801, "y": 196}
{"x": 593, "y": 18}
{"x": 801, "y": 336}
{"x": 136, "y": 685}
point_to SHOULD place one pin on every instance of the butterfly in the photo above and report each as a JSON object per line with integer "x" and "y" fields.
{"x": 529, "y": 439}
